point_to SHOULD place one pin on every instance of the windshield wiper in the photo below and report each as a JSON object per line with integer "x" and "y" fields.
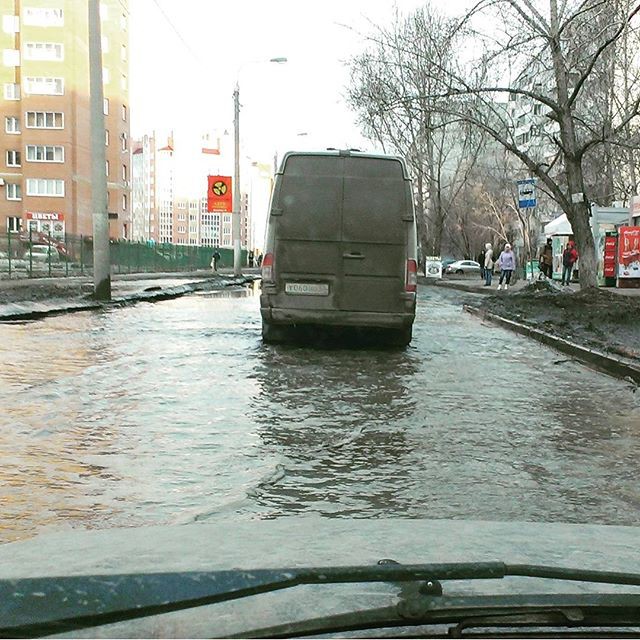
{"x": 31, "y": 607}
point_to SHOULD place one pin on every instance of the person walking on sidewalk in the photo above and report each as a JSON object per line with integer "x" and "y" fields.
{"x": 507, "y": 264}
{"x": 569, "y": 258}
{"x": 488, "y": 264}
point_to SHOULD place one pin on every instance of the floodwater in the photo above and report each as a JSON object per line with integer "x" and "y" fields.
{"x": 176, "y": 412}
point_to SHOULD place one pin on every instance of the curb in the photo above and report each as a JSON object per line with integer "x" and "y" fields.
{"x": 469, "y": 288}
{"x": 37, "y": 310}
{"x": 596, "y": 359}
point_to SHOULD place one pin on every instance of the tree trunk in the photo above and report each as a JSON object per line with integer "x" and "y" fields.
{"x": 578, "y": 214}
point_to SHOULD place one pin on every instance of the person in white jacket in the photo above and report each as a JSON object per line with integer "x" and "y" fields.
{"x": 488, "y": 264}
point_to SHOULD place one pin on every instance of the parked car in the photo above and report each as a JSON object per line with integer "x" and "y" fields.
{"x": 463, "y": 266}
{"x": 341, "y": 246}
{"x": 41, "y": 253}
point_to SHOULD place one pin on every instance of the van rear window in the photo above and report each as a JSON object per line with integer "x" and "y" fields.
{"x": 328, "y": 166}
{"x": 335, "y": 166}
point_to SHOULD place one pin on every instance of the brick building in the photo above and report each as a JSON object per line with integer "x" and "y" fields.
{"x": 45, "y": 162}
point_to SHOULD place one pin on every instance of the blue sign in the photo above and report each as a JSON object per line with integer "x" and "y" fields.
{"x": 526, "y": 193}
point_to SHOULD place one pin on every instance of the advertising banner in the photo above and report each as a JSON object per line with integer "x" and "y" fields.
{"x": 219, "y": 194}
{"x": 629, "y": 252}
{"x": 610, "y": 251}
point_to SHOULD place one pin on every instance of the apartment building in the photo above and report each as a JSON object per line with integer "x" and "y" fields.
{"x": 169, "y": 192}
{"x": 45, "y": 162}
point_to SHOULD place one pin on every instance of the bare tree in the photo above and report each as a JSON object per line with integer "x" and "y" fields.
{"x": 392, "y": 90}
{"x": 554, "y": 57}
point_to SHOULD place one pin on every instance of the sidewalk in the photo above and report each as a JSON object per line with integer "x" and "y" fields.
{"x": 476, "y": 285}
{"x": 28, "y": 299}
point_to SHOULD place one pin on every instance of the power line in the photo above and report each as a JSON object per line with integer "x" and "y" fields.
{"x": 175, "y": 30}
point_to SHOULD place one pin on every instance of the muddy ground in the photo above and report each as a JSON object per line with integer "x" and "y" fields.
{"x": 39, "y": 292}
{"x": 595, "y": 318}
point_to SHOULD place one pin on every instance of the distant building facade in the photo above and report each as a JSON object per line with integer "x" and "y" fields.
{"x": 45, "y": 120}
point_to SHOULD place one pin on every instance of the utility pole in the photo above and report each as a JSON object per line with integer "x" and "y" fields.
{"x": 236, "y": 216}
{"x": 99, "y": 196}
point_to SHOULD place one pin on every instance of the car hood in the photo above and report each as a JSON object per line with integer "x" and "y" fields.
{"x": 317, "y": 541}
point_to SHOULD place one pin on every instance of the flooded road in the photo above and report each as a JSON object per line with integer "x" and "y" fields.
{"x": 176, "y": 412}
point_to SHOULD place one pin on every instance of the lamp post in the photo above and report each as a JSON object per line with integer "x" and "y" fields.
{"x": 236, "y": 215}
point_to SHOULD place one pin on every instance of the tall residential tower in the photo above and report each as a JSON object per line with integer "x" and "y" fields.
{"x": 45, "y": 162}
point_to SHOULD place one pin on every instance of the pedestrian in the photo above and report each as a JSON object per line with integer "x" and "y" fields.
{"x": 569, "y": 258}
{"x": 481, "y": 263}
{"x": 488, "y": 264}
{"x": 546, "y": 260}
{"x": 215, "y": 258}
{"x": 507, "y": 264}
{"x": 259, "y": 261}
{"x": 250, "y": 259}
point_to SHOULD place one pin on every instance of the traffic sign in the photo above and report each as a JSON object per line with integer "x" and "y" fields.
{"x": 526, "y": 193}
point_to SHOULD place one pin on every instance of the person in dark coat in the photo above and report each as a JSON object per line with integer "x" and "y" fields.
{"x": 480, "y": 260}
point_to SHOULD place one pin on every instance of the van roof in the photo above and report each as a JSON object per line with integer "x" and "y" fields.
{"x": 353, "y": 153}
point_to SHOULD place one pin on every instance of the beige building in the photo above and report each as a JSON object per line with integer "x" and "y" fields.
{"x": 45, "y": 165}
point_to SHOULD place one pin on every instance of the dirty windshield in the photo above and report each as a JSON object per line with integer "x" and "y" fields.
{"x": 305, "y": 284}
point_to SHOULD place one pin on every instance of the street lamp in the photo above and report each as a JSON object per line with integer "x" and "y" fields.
{"x": 237, "y": 207}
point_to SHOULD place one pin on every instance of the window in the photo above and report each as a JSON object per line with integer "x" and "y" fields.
{"x": 123, "y": 140}
{"x": 124, "y": 112}
{"x": 106, "y": 137}
{"x": 123, "y": 53}
{"x": 104, "y": 11}
{"x": 44, "y": 86}
{"x": 13, "y": 224}
{"x": 11, "y": 57}
{"x": 43, "y": 51}
{"x": 124, "y": 172}
{"x": 13, "y": 158}
{"x": 45, "y": 120}
{"x": 123, "y": 82}
{"x": 124, "y": 202}
{"x": 537, "y": 109}
{"x": 105, "y": 106}
{"x": 106, "y": 162}
{"x": 43, "y": 17}
{"x": 123, "y": 22}
{"x": 105, "y": 44}
{"x": 10, "y": 24}
{"x": 12, "y": 124}
{"x": 44, "y": 153}
{"x": 11, "y": 91}
{"x": 13, "y": 191}
{"x": 45, "y": 187}
{"x": 105, "y": 75}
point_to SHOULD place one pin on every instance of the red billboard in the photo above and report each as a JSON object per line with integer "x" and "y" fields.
{"x": 629, "y": 252}
{"x": 219, "y": 194}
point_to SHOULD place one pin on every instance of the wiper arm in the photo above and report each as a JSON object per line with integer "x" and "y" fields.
{"x": 32, "y": 607}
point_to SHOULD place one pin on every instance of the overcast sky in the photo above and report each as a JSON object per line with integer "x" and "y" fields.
{"x": 189, "y": 85}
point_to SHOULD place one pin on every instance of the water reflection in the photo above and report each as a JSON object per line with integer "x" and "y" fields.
{"x": 338, "y": 419}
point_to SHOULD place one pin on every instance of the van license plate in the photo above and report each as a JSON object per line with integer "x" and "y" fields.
{"x": 306, "y": 289}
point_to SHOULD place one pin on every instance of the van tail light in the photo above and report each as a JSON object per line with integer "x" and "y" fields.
{"x": 412, "y": 276}
{"x": 267, "y": 267}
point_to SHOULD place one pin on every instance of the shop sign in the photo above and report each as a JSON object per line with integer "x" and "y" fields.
{"x": 629, "y": 252}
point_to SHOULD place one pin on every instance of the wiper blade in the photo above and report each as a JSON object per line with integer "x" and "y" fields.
{"x": 32, "y": 607}
{"x": 465, "y": 612}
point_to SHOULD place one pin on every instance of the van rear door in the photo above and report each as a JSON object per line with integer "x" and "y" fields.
{"x": 376, "y": 214}
{"x": 308, "y": 203}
